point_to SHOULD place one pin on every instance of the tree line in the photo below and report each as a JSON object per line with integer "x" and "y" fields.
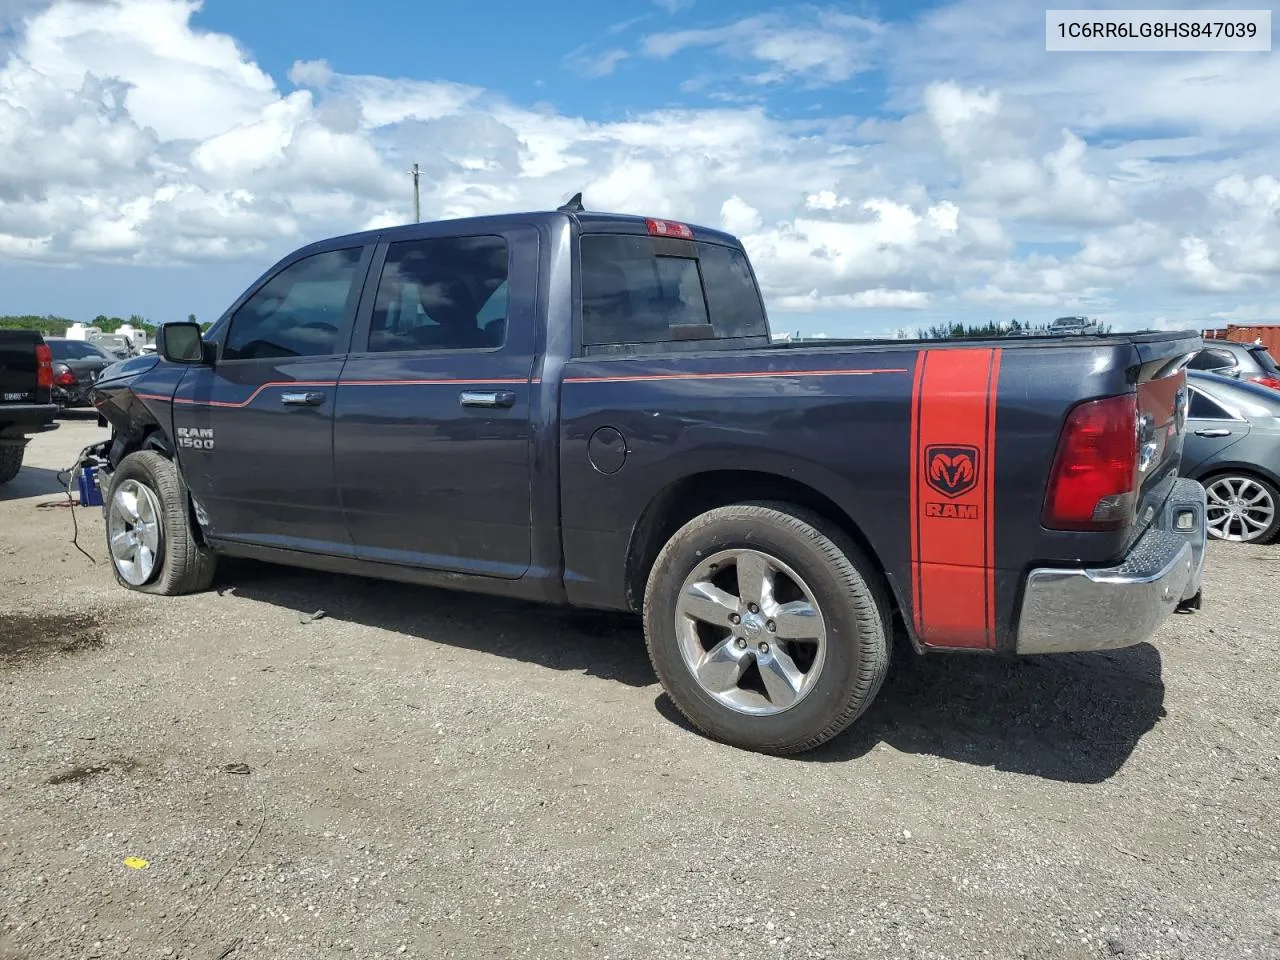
{"x": 55, "y": 326}
{"x": 992, "y": 328}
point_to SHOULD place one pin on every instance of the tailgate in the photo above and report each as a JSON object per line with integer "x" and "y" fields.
{"x": 18, "y": 366}
{"x": 1161, "y": 381}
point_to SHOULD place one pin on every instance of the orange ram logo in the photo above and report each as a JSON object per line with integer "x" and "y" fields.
{"x": 952, "y": 469}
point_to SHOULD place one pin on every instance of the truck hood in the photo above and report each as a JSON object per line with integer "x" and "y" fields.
{"x": 124, "y": 369}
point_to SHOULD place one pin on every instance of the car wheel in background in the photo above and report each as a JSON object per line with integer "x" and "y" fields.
{"x": 150, "y": 538}
{"x": 767, "y": 627}
{"x": 1242, "y": 508}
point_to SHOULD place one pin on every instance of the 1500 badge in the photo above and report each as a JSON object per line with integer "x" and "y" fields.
{"x": 198, "y": 438}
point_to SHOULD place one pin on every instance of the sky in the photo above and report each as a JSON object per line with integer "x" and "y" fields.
{"x": 887, "y": 165}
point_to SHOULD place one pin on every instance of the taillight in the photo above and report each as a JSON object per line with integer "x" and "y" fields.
{"x": 1094, "y": 482}
{"x": 1272, "y": 382}
{"x": 669, "y": 228}
{"x": 44, "y": 366}
{"x": 63, "y": 376}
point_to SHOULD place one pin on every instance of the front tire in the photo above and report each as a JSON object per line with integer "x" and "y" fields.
{"x": 10, "y": 460}
{"x": 766, "y": 626}
{"x": 150, "y": 538}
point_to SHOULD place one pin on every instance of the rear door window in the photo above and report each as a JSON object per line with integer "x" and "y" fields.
{"x": 444, "y": 293}
{"x": 1211, "y": 359}
{"x": 1202, "y": 408}
{"x": 640, "y": 289}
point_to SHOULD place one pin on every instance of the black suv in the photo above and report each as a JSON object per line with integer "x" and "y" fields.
{"x": 1241, "y": 361}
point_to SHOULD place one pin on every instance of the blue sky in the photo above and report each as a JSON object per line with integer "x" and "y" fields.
{"x": 887, "y": 166}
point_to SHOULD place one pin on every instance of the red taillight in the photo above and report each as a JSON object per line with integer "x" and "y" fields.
{"x": 1272, "y": 382}
{"x": 44, "y": 366}
{"x": 64, "y": 377}
{"x": 669, "y": 228}
{"x": 1094, "y": 483}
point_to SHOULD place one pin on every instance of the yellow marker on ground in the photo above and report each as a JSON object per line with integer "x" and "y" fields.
{"x": 136, "y": 863}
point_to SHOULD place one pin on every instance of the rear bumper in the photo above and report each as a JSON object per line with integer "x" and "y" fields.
{"x": 19, "y": 419}
{"x": 1072, "y": 610}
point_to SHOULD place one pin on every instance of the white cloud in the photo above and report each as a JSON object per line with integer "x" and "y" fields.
{"x": 130, "y": 137}
{"x": 599, "y": 63}
{"x": 739, "y": 217}
{"x": 877, "y": 299}
{"x": 821, "y": 46}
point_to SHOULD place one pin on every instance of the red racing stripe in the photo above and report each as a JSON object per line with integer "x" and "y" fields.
{"x": 953, "y": 497}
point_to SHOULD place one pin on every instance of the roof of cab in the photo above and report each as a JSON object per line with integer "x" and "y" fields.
{"x": 588, "y": 222}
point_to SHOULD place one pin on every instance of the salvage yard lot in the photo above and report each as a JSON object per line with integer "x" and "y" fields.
{"x": 441, "y": 775}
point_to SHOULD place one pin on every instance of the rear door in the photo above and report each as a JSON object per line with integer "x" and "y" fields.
{"x": 1211, "y": 428}
{"x": 432, "y": 434}
{"x": 254, "y": 433}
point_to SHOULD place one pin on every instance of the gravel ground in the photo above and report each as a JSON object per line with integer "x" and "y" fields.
{"x": 425, "y": 774}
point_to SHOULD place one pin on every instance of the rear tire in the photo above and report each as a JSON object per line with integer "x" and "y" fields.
{"x": 781, "y": 667}
{"x": 1256, "y": 503}
{"x": 11, "y": 461}
{"x": 150, "y": 537}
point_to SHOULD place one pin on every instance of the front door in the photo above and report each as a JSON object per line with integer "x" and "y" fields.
{"x": 254, "y": 433}
{"x": 432, "y": 430}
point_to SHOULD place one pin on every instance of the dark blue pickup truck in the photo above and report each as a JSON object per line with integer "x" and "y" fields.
{"x": 587, "y": 409}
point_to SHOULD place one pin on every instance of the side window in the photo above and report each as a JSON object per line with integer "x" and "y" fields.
{"x": 1202, "y": 408}
{"x": 447, "y": 293}
{"x": 298, "y": 313}
{"x": 1210, "y": 359}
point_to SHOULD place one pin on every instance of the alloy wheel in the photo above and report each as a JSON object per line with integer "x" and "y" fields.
{"x": 751, "y": 632}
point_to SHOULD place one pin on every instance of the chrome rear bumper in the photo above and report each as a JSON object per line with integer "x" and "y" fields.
{"x": 1071, "y": 610}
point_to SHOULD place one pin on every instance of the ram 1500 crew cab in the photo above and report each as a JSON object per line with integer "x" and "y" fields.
{"x": 587, "y": 409}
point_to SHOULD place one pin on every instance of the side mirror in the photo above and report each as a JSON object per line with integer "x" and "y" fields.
{"x": 181, "y": 343}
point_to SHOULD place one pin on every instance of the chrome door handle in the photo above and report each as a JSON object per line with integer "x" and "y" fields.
{"x": 310, "y": 399}
{"x": 487, "y": 398}
{"x": 1215, "y": 432}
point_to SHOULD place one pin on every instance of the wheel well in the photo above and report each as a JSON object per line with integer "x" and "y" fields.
{"x": 685, "y": 499}
{"x": 151, "y": 437}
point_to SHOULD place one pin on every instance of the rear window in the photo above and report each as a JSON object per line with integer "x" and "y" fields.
{"x": 1212, "y": 359}
{"x": 75, "y": 350}
{"x": 1264, "y": 360}
{"x": 639, "y": 289}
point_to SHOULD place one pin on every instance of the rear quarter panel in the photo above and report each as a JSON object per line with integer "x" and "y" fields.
{"x": 863, "y": 427}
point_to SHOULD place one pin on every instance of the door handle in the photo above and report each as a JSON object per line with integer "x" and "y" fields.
{"x": 312, "y": 398}
{"x": 1215, "y": 432}
{"x": 487, "y": 398}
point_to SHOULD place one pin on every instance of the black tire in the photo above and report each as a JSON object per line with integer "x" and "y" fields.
{"x": 846, "y": 590}
{"x": 10, "y": 461}
{"x": 1238, "y": 477}
{"x": 183, "y": 564}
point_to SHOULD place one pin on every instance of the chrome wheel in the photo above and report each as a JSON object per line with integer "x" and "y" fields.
{"x": 1239, "y": 509}
{"x": 133, "y": 531}
{"x": 750, "y": 632}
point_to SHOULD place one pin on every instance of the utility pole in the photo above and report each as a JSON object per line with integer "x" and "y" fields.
{"x": 417, "y": 206}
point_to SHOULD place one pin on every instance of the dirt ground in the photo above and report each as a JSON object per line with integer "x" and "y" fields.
{"x": 424, "y": 774}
